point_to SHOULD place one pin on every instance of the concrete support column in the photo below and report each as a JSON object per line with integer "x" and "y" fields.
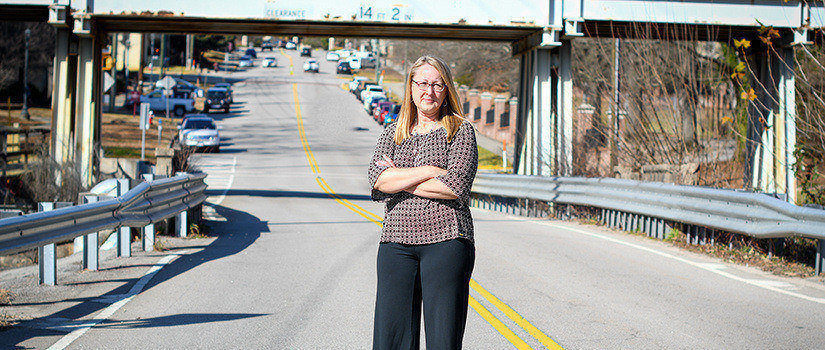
{"x": 564, "y": 108}
{"x": 190, "y": 51}
{"x": 63, "y": 93}
{"x": 772, "y": 125}
{"x": 87, "y": 128}
{"x": 534, "y": 129}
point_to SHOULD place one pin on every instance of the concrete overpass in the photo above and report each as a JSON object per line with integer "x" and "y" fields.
{"x": 540, "y": 31}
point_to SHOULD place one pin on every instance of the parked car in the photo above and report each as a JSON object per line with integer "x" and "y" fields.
{"x": 371, "y": 90}
{"x": 353, "y": 84}
{"x": 343, "y": 68}
{"x": 361, "y": 87}
{"x": 332, "y": 56}
{"x": 216, "y": 98}
{"x": 306, "y": 52}
{"x": 200, "y": 132}
{"x": 311, "y": 65}
{"x": 269, "y": 62}
{"x": 380, "y": 109}
{"x": 251, "y": 52}
{"x": 267, "y": 45}
{"x": 228, "y": 88}
{"x": 157, "y": 101}
{"x": 361, "y": 62}
{"x": 281, "y": 44}
{"x": 181, "y": 87}
{"x": 343, "y": 54}
{"x": 392, "y": 116}
{"x": 290, "y": 45}
{"x": 372, "y": 100}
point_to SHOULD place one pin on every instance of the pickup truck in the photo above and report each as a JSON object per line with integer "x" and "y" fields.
{"x": 177, "y": 106}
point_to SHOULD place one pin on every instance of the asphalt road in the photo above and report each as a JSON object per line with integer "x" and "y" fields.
{"x": 293, "y": 266}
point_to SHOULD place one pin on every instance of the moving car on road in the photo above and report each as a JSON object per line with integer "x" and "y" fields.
{"x": 216, "y": 98}
{"x": 199, "y": 131}
{"x": 269, "y": 62}
{"x": 306, "y": 52}
{"x": 311, "y": 65}
{"x": 332, "y": 56}
{"x": 251, "y": 52}
{"x": 290, "y": 45}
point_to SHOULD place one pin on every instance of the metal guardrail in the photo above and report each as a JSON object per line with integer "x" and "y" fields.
{"x": 145, "y": 204}
{"x": 747, "y": 213}
{"x": 652, "y": 207}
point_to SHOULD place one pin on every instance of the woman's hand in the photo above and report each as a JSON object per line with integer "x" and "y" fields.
{"x": 386, "y": 161}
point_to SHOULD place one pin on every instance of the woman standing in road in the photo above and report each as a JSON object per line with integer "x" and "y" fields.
{"x": 423, "y": 167}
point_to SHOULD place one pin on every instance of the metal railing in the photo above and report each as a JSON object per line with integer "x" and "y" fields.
{"x": 646, "y": 206}
{"x": 142, "y": 206}
{"x": 18, "y": 147}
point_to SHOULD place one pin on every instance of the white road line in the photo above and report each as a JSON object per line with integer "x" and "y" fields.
{"x": 704, "y": 266}
{"x": 229, "y": 183}
{"x": 67, "y": 339}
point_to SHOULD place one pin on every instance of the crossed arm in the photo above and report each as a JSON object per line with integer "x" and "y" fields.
{"x": 419, "y": 181}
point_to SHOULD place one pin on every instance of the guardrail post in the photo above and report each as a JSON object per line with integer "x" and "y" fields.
{"x": 148, "y": 231}
{"x": 124, "y": 234}
{"x": 820, "y": 256}
{"x": 90, "y": 244}
{"x": 47, "y": 255}
{"x": 182, "y": 223}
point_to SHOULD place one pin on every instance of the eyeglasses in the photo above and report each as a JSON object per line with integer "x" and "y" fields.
{"x": 423, "y": 86}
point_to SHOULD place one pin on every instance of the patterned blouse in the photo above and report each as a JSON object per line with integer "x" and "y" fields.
{"x": 411, "y": 219}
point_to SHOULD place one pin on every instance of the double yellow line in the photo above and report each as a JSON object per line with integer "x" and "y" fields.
{"x": 477, "y": 306}
{"x": 290, "y": 63}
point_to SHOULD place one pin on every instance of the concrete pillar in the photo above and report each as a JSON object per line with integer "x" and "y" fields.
{"x": 190, "y": 51}
{"x": 772, "y": 124}
{"x": 537, "y": 128}
{"x": 564, "y": 108}
{"x": 87, "y": 128}
{"x": 63, "y": 87}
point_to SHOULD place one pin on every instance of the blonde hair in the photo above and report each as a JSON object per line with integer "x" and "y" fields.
{"x": 450, "y": 115}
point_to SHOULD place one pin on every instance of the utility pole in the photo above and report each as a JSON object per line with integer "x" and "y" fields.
{"x": 25, "y": 111}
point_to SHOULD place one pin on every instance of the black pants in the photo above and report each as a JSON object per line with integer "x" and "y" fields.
{"x": 437, "y": 274}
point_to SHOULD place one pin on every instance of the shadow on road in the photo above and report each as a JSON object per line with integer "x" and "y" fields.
{"x": 274, "y": 193}
{"x": 236, "y": 234}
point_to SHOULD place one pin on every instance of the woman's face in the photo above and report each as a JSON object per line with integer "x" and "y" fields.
{"x": 425, "y": 94}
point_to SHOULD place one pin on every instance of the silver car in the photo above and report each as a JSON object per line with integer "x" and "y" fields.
{"x": 200, "y": 132}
